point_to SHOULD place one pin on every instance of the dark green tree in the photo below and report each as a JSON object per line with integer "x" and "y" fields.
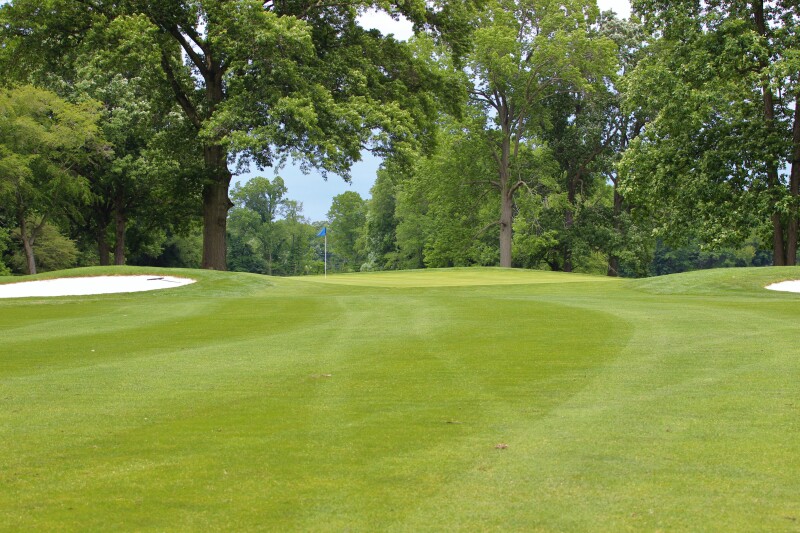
{"x": 589, "y": 131}
{"x": 721, "y": 157}
{"x": 257, "y": 205}
{"x": 382, "y": 221}
{"x": 525, "y": 51}
{"x": 133, "y": 186}
{"x": 296, "y": 256}
{"x": 257, "y": 81}
{"x": 44, "y": 142}
{"x": 347, "y": 220}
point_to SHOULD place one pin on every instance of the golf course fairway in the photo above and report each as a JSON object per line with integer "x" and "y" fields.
{"x": 438, "y": 400}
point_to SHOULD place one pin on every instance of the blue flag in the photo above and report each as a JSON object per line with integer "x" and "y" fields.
{"x": 323, "y": 232}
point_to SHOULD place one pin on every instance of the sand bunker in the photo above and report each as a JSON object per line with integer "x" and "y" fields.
{"x": 92, "y": 285}
{"x": 785, "y": 286}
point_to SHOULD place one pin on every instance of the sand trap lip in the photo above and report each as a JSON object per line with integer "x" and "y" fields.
{"x": 785, "y": 286}
{"x": 90, "y": 285}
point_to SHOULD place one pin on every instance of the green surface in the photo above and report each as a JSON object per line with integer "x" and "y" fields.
{"x": 375, "y": 402}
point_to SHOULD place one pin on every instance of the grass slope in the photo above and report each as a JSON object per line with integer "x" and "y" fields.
{"x": 375, "y": 402}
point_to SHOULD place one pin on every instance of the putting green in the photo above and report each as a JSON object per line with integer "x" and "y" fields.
{"x": 453, "y": 277}
{"x": 467, "y": 399}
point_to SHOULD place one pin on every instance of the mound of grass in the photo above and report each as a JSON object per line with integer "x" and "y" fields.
{"x": 718, "y": 282}
{"x": 468, "y": 399}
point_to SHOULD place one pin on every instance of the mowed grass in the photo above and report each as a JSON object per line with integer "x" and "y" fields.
{"x": 376, "y": 402}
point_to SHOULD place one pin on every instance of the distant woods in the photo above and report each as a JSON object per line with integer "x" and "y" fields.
{"x": 517, "y": 133}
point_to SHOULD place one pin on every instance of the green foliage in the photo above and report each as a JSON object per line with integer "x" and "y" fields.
{"x": 54, "y": 251}
{"x": 138, "y": 186}
{"x": 669, "y": 260}
{"x": 347, "y": 219}
{"x": 257, "y": 82}
{"x": 525, "y": 52}
{"x": 253, "y": 221}
{"x": 44, "y": 144}
{"x": 413, "y": 226}
{"x": 381, "y": 223}
{"x": 5, "y": 242}
{"x": 164, "y": 248}
{"x": 267, "y": 232}
{"x": 462, "y": 223}
{"x": 41, "y": 138}
{"x": 297, "y": 256}
{"x": 721, "y": 135}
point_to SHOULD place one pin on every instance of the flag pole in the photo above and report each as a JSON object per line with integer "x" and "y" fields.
{"x": 324, "y": 233}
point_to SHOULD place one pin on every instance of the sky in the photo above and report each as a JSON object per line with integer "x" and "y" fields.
{"x": 315, "y": 193}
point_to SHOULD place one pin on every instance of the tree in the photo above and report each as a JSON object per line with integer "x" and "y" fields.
{"x": 413, "y": 224}
{"x": 257, "y": 204}
{"x": 5, "y": 240}
{"x": 628, "y": 243}
{"x": 136, "y": 112}
{"x": 43, "y": 140}
{"x": 459, "y": 210}
{"x": 258, "y": 81}
{"x": 589, "y": 132}
{"x": 54, "y": 251}
{"x": 381, "y": 220}
{"x": 525, "y": 51}
{"x": 346, "y": 227}
{"x": 580, "y": 140}
{"x": 722, "y": 155}
{"x": 296, "y": 254}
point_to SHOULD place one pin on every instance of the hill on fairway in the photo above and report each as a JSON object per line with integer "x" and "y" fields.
{"x": 465, "y": 399}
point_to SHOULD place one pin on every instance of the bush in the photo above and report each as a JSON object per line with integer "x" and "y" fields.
{"x": 52, "y": 250}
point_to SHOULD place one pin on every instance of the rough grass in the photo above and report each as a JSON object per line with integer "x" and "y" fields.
{"x": 376, "y": 402}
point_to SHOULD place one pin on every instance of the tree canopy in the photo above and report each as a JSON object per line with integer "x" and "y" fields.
{"x": 721, "y": 157}
{"x": 518, "y": 133}
{"x": 44, "y": 143}
{"x": 257, "y": 81}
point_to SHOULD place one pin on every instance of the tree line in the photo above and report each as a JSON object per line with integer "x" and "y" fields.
{"x": 521, "y": 133}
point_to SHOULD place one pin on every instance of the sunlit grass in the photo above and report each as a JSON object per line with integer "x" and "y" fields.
{"x": 467, "y": 399}
{"x": 453, "y": 277}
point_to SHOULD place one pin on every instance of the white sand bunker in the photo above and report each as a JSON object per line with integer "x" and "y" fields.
{"x": 785, "y": 286}
{"x": 92, "y": 285}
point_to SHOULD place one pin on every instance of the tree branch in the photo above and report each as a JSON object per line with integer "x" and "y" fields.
{"x": 486, "y": 228}
{"x": 486, "y": 98}
{"x": 516, "y": 187}
{"x": 180, "y": 95}
{"x": 198, "y": 60}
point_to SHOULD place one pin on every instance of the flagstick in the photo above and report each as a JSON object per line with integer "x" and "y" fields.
{"x": 326, "y": 255}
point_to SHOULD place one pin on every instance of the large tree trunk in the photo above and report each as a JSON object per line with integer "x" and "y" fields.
{"x": 120, "y": 222}
{"x": 778, "y": 256}
{"x": 506, "y": 226}
{"x": 506, "y": 194}
{"x": 218, "y": 178}
{"x": 779, "y": 248}
{"x": 103, "y": 247}
{"x": 27, "y": 244}
{"x": 215, "y": 208}
{"x": 794, "y": 188}
{"x": 774, "y": 185}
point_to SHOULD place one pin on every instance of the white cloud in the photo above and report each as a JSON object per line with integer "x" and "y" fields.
{"x": 381, "y": 21}
{"x": 620, "y": 7}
